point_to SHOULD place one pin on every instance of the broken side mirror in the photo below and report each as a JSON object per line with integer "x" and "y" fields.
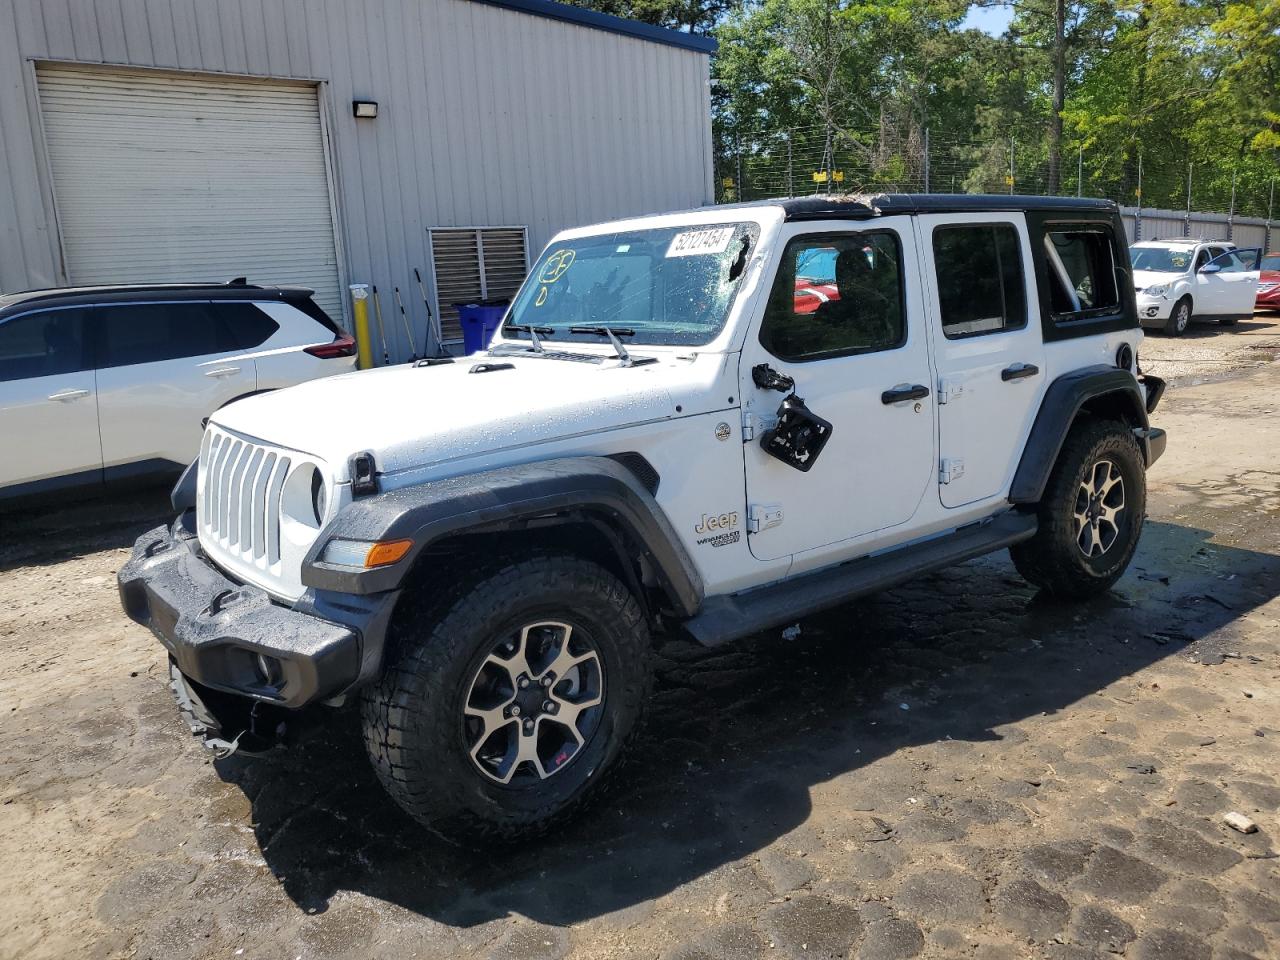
{"x": 798, "y": 437}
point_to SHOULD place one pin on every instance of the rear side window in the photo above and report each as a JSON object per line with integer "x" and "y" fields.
{"x": 249, "y": 326}
{"x": 1082, "y": 272}
{"x": 980, "y": 282}
{"x": 45, "y": 344}
{"x": 835, "y": 295}
{"x": 152, "y": 332}
{"x": 312, "y": 310}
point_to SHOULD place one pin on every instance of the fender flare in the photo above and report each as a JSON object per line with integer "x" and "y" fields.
{"x": 1062, "y": 403}
{"x": 507, "y": 498}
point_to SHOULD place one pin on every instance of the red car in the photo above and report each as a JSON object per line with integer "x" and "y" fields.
{"x": 1268, "y": 283}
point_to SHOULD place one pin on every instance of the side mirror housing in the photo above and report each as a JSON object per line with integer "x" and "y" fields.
{"x": 1210, "y": 268}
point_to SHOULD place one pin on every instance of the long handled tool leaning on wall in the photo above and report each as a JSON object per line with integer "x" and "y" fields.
{"x": 408, "y": 329}
{"x": 382, "y": 332}
{"x": 433, "y": 325}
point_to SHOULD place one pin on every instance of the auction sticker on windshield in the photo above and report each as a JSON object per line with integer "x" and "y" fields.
{"x": 693, "y": 243}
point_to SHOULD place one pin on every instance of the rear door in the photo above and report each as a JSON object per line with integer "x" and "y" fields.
{"x": 48, "y": 399}
{"x": 859, "y": 360}
{"x": 990, "y": 357}
{"x": 1236, "y": 281}
{"x": 163, "y": 368}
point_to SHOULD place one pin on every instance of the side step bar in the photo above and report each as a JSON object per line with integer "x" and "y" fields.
{"x": 734, "y": 616}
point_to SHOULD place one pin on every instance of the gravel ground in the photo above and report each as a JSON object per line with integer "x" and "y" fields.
{"x": 1208, "y": 351}
{"x": 957, "y": 768}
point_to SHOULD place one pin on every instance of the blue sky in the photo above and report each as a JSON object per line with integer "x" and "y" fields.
{"x": 992, "y": 20}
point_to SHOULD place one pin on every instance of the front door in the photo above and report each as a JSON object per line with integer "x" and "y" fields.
{"x": 859, "y": 360}
{"x": 48, "y": 400}
{"x": 1234, "y": 280}
{"x": 990, "y": 356}
{"x": 163, "y": 368}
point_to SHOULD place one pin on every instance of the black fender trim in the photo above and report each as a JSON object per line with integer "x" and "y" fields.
{"x": 1064, "y": 399}
{"x": 550, "y": 491}
{"x": 183, "y": 495}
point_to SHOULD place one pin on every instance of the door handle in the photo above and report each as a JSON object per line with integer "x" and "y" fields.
{"x": 917, "y": 391}
{"x": 1019, "y": 371}
{"x": 222, "y": 372}
{"x": 64, "y": 396}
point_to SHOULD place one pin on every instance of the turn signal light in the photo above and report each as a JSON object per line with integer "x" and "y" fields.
{"x": 365, "y": 554}
{"x": 388, "y": 551}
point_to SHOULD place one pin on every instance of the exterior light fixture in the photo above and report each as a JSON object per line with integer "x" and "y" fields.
{"x": 364, "y": 109}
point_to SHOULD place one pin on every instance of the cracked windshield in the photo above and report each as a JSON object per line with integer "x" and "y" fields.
{"x": 665, "y": 286}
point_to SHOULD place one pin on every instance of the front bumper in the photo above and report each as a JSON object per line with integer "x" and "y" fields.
{"x": 1154, "y": 311}
{"x": 234, "y": 638}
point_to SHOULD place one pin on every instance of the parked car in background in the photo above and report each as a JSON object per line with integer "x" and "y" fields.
{"x": 99, "y": 384}
{"x": 1181, "y": 280}
{"x": 1268, "y": 283}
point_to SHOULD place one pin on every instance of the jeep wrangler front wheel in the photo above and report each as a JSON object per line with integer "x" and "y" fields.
{"x": 505, "y": 708}
{"x": 1091, "y": 514}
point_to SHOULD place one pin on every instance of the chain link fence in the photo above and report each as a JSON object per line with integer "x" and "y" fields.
{"x": 765, "y": 164}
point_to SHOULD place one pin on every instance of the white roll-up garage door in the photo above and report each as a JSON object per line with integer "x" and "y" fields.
{"x": 163, "y": 177}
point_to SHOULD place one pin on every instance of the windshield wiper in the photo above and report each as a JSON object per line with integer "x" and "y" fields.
{"x": 534, "y": 343}
{"x": 613, "y": 333}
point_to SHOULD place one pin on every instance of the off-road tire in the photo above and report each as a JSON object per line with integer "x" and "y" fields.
{"x": 1052, "y": 559}
{"x": 412, "y": 717}
{"x": 1177, "y": 324}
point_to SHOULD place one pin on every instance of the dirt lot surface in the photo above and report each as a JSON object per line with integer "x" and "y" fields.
{"x": 1208, "y": 351}
{"x": 958, "y": 768}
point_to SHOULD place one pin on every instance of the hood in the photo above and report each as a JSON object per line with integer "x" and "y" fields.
{"x": 1146, "y": 278}
{"x": 410, "y": 417}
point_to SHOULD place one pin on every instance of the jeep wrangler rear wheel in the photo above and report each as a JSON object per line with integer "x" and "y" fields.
{"x": 505, "y": 708}
{"x": 1091, "y": 514}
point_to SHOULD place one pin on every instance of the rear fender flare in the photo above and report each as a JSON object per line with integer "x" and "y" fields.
{"x": 1065, "y": 399}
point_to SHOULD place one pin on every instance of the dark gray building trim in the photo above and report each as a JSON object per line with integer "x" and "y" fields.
{"x": 604, "y": 21}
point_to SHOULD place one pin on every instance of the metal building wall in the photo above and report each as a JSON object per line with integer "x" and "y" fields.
{"x": 1163, "y": 224}
{"x": 487, "y": 116}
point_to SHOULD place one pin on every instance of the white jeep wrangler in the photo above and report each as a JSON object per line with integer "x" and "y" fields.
{"x": 717, "y": 421}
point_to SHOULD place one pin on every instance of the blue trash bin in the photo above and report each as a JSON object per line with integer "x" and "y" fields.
{"x": 479, "y": 321}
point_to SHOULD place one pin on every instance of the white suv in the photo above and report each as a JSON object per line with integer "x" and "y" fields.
{"x": 1178, "y": 281}
{"x": 670, "y": 432}
{"x": 102, "y": 384}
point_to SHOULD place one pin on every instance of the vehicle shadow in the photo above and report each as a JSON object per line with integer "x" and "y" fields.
{"x": 41, "y": 534}
{"x": 738, "y": 738}
{"x": 1204, "y": 329}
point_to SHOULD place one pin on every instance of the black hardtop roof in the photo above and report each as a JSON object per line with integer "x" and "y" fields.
{"x": 128, "y": 292}
{"x": 866, "y": 206}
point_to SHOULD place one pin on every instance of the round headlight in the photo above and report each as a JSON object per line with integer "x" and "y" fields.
{"x": 305, "y": 496}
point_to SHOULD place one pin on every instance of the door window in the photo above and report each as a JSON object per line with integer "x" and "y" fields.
{"x": 1231, "y": 262}
{"x": 979, "y": 276}
{"x": 835, "y": 295}
{"x": 45, "y": 344}
{"x": 1082, "y": 272}
{"x": 151, "y": 332}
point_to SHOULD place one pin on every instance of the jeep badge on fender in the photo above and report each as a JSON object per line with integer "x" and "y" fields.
{"x": 484, "y": 582}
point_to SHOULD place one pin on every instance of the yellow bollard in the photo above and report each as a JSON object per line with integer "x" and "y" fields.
{"x": 360, "y": 312}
